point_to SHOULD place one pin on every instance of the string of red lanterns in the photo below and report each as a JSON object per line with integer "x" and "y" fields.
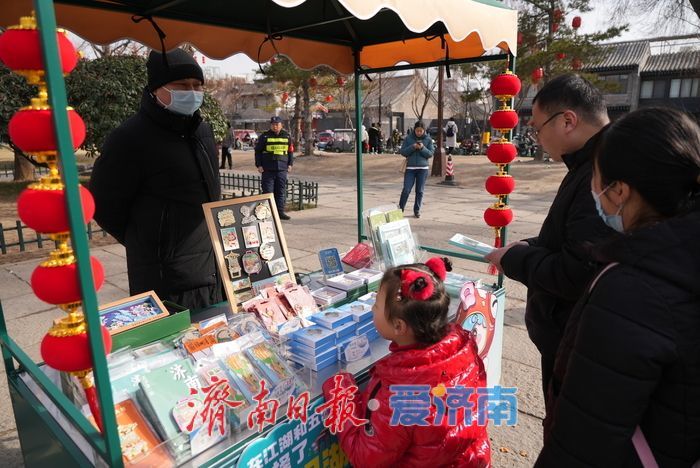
{"x": 501, "y": 152}
{"x": 42, "y": 206}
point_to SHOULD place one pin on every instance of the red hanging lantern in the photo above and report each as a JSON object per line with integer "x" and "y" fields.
{"x": 329, "y": 98}
{"x": 285, "y": 97}
{"x": 504, "y": 119}
{"x": 32, "y": 130}
{"x": 576, "y": 63}
{"x": 555, "y": 27}
{"x": 576, "y": 22}
{"x": 558, "y": 15}
{"x": 20, "y": 48}
{"x": 501, "y": 152}
{"x": 561, "y": 56}
{"x": 60, "y": 284}
{"x": 273, "y": 61}
{"x": 340, "y": 80}
{"x": 313, "y": 82}
{"x": 498, "y": 216}
{"x": 71, "y": 353}
{"x": 520, "y": 38}
{"x": 45, "y": 210}
{"x": 500, "y": 184}
{"x": 537, "y": 74}
{"x": 505, "y": 86}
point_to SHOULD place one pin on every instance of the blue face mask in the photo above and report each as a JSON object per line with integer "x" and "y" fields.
{"x": 613, "y": 221}
{"x": 185, "y": 102}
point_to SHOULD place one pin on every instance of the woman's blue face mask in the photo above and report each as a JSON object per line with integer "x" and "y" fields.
{"x": 614, "y": 221}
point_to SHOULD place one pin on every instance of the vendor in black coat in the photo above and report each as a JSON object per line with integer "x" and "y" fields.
{"x": 567, "y": 115}
{"x": 154, "y": 173}
{"x": 627, "y": 375}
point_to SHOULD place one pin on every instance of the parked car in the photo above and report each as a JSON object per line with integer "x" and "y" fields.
{"x": 247, "y": 137}
{"x": 325, "y": 138}
{"x": 343, "y": 141}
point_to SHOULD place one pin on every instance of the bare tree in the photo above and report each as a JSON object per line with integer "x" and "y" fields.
{"x": 668, "y": 15}
{"x": 227, "y": 91}
{"x": 126, "y": 47}
{"x": 422, "y": 95}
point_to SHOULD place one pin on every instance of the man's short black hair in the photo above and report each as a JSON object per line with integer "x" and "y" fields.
{"x": 571, "y": 91}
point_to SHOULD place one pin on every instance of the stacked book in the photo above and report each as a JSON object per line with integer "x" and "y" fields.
{"x": 313, "y": 347}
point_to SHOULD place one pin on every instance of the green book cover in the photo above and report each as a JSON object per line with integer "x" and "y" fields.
{"x": 377, "y": 220}
{"x": 163, "y": 388}
{"x": 394, "y": 215}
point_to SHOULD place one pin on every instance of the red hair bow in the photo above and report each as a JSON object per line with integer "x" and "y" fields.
{"x": 413, "y": 287}
{"x": 437, "y": 265}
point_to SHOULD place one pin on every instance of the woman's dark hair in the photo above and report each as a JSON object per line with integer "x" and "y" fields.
{"x": 656, "y": 151}
{"x": 428, "y": 318}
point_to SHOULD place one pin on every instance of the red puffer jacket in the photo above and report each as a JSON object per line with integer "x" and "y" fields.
{"x": 452, "y": 362}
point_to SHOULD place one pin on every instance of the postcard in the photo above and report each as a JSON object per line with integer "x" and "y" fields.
{"x": 132, "y": 312}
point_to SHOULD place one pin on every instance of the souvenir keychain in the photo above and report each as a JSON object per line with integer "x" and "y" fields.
{"x": 247, "y": 217}
{"x": 262, "y": 211}
{"x": 226, "y": 218}
{"x": 267, "y": 251}
{"x": 252, "y": 263}
{"x": 234, "y": 267}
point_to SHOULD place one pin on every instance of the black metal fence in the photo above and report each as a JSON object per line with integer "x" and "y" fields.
{"x": 9, "y": 172}
{"x": 23, "y": 236}
{"x": 300, "y": 194}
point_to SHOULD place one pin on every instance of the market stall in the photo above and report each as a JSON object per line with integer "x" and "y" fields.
{"x": 350, "y": 36}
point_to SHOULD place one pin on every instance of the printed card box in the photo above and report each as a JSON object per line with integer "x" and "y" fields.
{"x": 310, "y": 353}
{"x": 361, "y": 312}
{"x": 368, "y": 298}
{"x": 367, "y": 275}
{"x": 345, "y": 282}
{"x": 243, "y": 374}
{"x": 265, "y": 358}
{"x": 314, "y": 337}
{"x": 328, "y": 296}
{"x": 315, "y": 366}
{"x": 372, "y": 335}
{"x": 364, "y": 329}
{"x": 345, "y": 330}
{"x": 331, "y": 319}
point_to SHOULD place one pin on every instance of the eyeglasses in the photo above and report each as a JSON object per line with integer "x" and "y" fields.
{"x": 538, "y": 130}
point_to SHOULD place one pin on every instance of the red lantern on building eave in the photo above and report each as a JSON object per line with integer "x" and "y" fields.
{"x": 537, "y": 74}
{"x": 20, "y": 50}
{"x": 555, "y": 27}
{"x": 505, "y": 86}
{"x": 500, "y": 184}
{"x": 33, "y": 132}
{"x": 561, "y": 56}
{"x": 329, "y": 98}
{"x": 60, "y": 284}
{"x": 501, "y": 152}
{"x": 558, "y": 15}
{"x": 576, "y": 22}
{"x": 504, "y": 119}
{"x": 44, "y": 210}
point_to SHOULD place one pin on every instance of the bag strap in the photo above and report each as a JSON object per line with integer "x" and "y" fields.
{"x": 641, "y": 446}
{"x": 602, "y": 272}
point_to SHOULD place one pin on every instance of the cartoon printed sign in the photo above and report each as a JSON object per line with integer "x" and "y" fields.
{"x": 481, "y": 314}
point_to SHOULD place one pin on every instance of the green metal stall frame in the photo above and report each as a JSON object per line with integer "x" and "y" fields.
{"x": 43, "y": 441}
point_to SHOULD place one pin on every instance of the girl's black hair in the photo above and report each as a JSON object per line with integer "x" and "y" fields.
{"x": 656, "y": 151}
{"x": 428, "y": 318}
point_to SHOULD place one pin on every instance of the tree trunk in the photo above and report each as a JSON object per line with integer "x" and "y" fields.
{"x": 437, "y": 154}
{"x": 24, "y": 169}
{"x": 297, "y": 119}
{"x": 308, "y": 116}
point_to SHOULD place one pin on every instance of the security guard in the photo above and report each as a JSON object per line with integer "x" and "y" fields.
{"x": 274, "y": 159}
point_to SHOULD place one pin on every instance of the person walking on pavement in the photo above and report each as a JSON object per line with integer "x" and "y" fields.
{"x": 451, "y": 135}
{"x": 227, "y": 148}
{"x": 417, "y": 148}
{"x": 274, "y": 159}
{"x": 153, "y": 175}
{"x": 568, "y": 115}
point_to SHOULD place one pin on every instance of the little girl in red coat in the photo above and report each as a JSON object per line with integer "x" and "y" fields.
{"x": 411, "y": 311}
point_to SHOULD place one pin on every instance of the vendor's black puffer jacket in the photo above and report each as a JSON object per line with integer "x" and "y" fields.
{"x": 149, "y": 183}
{"x": 631, "y": 356}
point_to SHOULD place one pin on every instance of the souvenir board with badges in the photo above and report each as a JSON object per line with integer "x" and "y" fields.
{"x": 249, "y": 245}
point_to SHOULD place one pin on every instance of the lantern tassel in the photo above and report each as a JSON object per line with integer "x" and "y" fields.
{"x": 91, "y": 396}
{"x": 492, "y": 270}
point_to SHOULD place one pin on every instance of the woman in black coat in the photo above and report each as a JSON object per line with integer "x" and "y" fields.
{"x": 626, "y": 389}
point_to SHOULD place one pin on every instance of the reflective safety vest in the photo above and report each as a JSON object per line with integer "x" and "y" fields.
{"x": 277, "y": 146}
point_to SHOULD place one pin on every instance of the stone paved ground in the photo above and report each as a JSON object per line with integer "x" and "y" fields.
{"x": 447, "y": 210}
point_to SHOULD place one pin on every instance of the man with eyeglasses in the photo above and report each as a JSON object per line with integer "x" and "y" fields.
{"x": 568, "y": 114}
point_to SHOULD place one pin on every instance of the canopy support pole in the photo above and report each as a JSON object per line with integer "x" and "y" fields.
{"x": 358, "y": 145}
